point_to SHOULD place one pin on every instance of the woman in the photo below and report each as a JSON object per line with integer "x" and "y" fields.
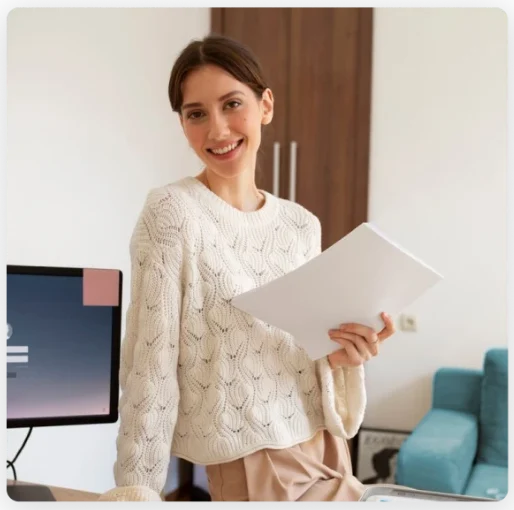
{"x": 202, "y": 380}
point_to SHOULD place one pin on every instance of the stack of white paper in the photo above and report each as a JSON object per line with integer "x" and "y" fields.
{"x": 354, "y": 280}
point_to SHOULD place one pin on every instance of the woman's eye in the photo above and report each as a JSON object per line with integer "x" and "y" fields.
{"x": 194, "y": 115}
{"x": 234, "y": 104}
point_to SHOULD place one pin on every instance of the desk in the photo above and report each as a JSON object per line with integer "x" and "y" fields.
{"x": 63, "y": 494}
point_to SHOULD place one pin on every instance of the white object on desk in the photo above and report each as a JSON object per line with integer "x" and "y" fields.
{"x": 354, "y": 280}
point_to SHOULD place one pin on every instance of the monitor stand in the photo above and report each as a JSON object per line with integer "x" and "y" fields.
{"x": 30, "y": 493}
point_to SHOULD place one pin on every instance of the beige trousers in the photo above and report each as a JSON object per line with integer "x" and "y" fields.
{"x": 317, "y": 470}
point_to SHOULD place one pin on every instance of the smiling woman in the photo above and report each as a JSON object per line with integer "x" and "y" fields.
{"x": 224, "y": 129}
{"x": 202, "y": 380}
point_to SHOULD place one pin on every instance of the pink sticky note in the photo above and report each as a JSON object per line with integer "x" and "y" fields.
{"x": 101, "y": 287}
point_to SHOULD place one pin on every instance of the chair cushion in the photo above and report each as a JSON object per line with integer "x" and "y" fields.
{"x": 493, "y": 446}
{"x": 487, "y": 481}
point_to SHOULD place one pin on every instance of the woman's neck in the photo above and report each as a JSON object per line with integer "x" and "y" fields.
{"x": 240, "y": 192}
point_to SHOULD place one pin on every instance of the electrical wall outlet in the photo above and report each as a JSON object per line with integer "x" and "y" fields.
{"x": 408, "y": 322}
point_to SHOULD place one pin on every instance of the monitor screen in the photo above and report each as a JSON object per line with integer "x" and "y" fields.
{"x": 63, "y": 339}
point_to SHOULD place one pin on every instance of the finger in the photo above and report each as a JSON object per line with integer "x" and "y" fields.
{"x": 336, "y": 333}
{"x": 359, "y": 341}
{"x": 365, "y": 349}
{"x": 389, "y": 328}
{"x": 352, "y": 337}
{"x": 359, "y": 329}
{"x": 339, "y": 338}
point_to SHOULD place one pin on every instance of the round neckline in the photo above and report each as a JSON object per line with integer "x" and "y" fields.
{"x": 264, "y": 214}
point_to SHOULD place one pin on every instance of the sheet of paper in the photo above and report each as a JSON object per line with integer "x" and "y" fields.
{"x": 354, "y": 280}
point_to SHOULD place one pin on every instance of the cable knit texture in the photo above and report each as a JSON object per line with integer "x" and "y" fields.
{"x": 200, "y": 379}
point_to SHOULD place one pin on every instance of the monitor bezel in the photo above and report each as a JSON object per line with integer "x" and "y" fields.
{"x": 112, "y": 416}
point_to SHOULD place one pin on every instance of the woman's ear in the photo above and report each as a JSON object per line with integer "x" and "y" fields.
{"x": 267, "y": 106}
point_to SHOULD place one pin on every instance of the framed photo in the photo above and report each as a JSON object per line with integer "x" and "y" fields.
{"x": 374, "y": 454}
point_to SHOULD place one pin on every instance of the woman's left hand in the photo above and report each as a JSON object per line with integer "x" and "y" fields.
{"x": 359, "y": 343}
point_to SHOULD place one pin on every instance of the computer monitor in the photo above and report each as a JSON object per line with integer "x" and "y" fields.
{"x": 63, "y": 343}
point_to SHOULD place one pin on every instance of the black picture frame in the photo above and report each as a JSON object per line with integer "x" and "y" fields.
{"x": 112, "y": 416}
{"x": 374, "y": 454}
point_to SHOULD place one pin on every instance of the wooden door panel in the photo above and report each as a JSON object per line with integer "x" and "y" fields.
{"x": 323, "y": 115}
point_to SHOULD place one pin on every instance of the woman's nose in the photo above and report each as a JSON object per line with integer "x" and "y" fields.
{"x": 218, "y": 127}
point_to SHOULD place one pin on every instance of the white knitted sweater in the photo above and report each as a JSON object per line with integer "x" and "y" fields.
{"x": 200, "y": 379}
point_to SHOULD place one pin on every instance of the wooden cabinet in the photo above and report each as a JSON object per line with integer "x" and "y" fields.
{"x": 318, "y": 64}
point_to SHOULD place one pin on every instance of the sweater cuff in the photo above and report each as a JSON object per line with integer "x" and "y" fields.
{"x": 132, "y": 493}
{"x": 343, "y": 393}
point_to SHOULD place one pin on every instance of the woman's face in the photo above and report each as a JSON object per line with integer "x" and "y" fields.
{"x": 222, "y": 118}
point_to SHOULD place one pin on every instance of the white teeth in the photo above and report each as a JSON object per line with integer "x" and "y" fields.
{"x": 225, "y": 149}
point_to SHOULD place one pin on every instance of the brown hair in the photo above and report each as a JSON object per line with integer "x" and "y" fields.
{"x": 224, "y": 52}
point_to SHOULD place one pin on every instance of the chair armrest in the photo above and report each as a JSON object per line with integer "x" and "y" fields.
{"x": 458, "y": 389}
{"x": 439, "y": 454}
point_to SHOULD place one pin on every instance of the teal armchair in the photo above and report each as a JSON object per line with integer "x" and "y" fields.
{"x": 461, "y": 444}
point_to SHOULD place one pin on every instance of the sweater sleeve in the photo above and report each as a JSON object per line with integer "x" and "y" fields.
{"x": 343, "y": 390}
{"x": 343, "y": 393}
{"x": 148, "y": 367}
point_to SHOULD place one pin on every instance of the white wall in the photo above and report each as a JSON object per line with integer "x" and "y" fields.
{"x": 438, "y": 186}
{"x": 90, "y": 131}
